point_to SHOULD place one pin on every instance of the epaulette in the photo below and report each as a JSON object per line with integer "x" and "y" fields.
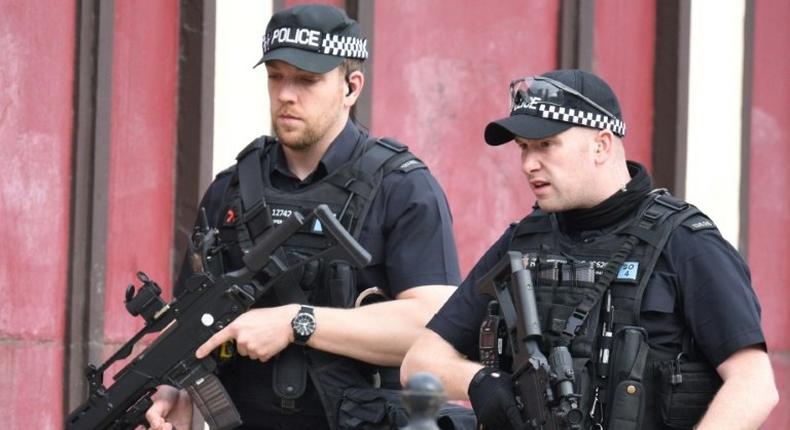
{"x": 698, "y": 222}
{"x": 402, "y": 160}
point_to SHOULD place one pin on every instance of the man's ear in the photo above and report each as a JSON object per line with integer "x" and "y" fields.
{"x": 604, "y": 145}
{"x": 354, "y": 83}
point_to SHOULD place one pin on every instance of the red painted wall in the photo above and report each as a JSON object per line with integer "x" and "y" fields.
{"x": 143, "y": 139}
{"x": 36, "y": 76}
{"x": 440, "y": 73}
{"x": 769, "y": 190}
{"x": 624, "y": 56}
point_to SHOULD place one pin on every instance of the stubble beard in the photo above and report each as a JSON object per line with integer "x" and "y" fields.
{"x": 310, "y": 135}
{"x": 302, "y": 142}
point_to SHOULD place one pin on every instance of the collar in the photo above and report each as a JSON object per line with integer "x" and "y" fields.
{"x": 340, "y": 150}
{"x": 612, "y": 210}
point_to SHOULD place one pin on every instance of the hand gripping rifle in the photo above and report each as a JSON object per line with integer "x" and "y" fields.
{"x": 544, "y": 387}
{"x": 207, "y": 303}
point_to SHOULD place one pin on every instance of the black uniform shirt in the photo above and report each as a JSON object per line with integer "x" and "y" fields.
{"x": 700, "y": 283}
{"x": 408, "y": 230}
{"x": 408, "y": 233}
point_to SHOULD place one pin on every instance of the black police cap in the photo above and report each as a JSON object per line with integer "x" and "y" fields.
{"x": 315, "y": 38}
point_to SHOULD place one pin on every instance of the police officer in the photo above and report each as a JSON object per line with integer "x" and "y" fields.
{"x": 652, "y": 303}
{"x": 305, "y": 345}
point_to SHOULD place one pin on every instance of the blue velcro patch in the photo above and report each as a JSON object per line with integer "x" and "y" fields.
{"x": 628, "y": 270}
{"x": 317, "y": 227}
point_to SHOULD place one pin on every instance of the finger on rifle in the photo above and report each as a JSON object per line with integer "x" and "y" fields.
{"x": 155, "y": 415}
{"x": 164, "y": 400}
{"x": 213, "y": 342}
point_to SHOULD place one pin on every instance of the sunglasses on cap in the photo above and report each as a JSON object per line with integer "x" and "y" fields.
{"x": 526, "y": 91}
{"x": 539, "y": 93}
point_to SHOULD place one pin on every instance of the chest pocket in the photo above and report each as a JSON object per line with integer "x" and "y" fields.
{"x": 660, "y": 294}
{"x": 659, "y": 315}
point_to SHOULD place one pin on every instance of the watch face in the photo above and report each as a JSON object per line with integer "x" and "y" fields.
{"x": 304, "y": 324}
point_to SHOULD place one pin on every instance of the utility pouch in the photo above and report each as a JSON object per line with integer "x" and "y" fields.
{"x": 685, "y": 391}
{"x": 371, "y": 408}
{"x": 341, "y": 283}
{"x": 289, "y": 377}
{"x": 381, "y": 409}
{"x": 627, "y": 393}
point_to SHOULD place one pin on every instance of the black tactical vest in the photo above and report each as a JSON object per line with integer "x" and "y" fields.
{"x": 622, "y": 379}
{"x": 251, "y": 203}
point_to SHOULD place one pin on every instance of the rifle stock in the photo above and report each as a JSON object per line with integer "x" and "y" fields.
{"x": 207, "y": 304}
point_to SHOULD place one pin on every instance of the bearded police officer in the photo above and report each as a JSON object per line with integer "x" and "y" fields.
{"x": 645, "y": 312}
{"x": 306, "y": 356}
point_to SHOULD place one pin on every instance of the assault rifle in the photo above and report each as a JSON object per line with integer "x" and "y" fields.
{"x": 207, "y": 303}
{"x": 544, "y": 387}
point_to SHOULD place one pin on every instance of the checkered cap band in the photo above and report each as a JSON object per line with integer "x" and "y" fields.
{"x": 345, "y": 46}
{"x": 580, "y": 117}
{"x": 316, "y": 41}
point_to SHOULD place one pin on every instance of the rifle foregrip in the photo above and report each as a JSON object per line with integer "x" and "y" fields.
{"x": 214, "y": 403}
{"x": 358, "y": 254}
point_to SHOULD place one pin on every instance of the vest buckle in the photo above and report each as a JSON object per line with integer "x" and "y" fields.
{"x": 574, "y": 323}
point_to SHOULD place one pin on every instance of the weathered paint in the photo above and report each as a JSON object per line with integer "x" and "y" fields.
{"x": 440, "y": 74}
{"x": 624, "y": 55}
{"x": 36, "y": 77}
{"x": 769, "y": 190}
{"x": 143, "y": 138}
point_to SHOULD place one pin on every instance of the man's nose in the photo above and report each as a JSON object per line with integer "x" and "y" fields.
{"x": 286, "y": 92}
{"x": 529, "y": 163}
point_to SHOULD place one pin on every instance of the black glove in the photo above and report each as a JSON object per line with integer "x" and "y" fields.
{"x": 493, "y": 398}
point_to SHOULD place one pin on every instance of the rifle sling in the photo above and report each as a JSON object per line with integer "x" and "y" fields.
{"x": 657, "y": 210}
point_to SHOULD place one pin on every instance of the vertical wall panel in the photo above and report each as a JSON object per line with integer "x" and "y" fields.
{"x": 769, "y": 191}
{"x": 37, "y": 42}
{"x": 90, "y": 164}
{"x": 241, "y": 103}
{"x": 441, "y": 73}
{"x": 624, "y": 56}
{"x": 670, "y": 95}
{"x": 143, "y": 139}
{"x": 715, "y": 112}
{"x": 193, "y": 152}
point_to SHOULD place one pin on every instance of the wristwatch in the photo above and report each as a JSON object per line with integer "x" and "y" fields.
{"x": 303, "y": 325}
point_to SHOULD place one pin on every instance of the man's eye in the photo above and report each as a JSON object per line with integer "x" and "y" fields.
{"x": 306, "y": 80}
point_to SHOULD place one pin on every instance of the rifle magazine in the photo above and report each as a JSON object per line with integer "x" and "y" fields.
{"x": 214, "y": 403}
